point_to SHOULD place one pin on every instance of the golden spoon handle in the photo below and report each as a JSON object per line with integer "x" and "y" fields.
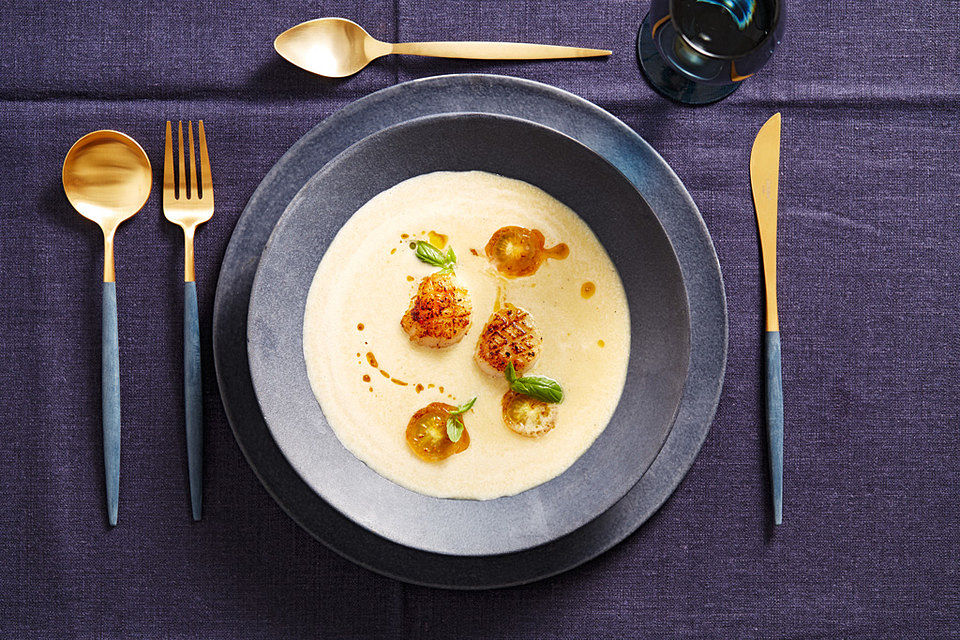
{"x": 494, "y": 50}
{"x": 109, "y": 273}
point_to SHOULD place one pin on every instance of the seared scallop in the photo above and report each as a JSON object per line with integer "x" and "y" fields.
{"x": 528, "y": 416}
{"x": 509, "y": 336}
{"x": 439, "y": 313}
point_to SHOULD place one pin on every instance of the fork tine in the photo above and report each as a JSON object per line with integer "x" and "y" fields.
{"x": 206, "y": 177}
{"x": 182, "y": 174}
{"x": 168, "y": 180}
{"x": 194, "y": 193}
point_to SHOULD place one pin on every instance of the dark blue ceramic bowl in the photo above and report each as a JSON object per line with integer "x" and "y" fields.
{"x": 632, "y": 236}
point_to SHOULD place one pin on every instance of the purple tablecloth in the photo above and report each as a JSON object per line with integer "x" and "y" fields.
{"x": 869, "y": 276}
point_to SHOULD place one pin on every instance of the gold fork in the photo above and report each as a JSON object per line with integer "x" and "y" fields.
{"x": 189, "y": 207}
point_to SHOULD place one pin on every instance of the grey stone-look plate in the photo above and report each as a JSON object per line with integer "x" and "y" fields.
{"x": 603, "y": 133}
{"x": 635, "y": 242}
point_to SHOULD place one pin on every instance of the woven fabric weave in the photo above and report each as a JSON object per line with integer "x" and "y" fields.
{"x": 869, "y": 273}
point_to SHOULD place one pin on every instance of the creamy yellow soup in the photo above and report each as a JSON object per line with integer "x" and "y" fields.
{"x": 370, "y": 379}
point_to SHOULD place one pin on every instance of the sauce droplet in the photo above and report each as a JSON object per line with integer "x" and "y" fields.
{"x": 359, "y": 326}
{"x": 393, "y": 251}
{"x": 600, "y": 343}
{"x": 399, "y": 382}
{"x": 409, "y": 278}
{"x": 587, "y": 289}
{"x": 437, "y": 239}
{"x": 441, "y": 389}
{"x": 430, "y": 386}
{"x": 419, "y": 388}
{"x": 372, "y": 360}
{"x": 366, "y": 377}
{"x": 384, "y": 373}
{"x": 474, "y": 252}
{"x": 371, "y": 389}
{"x": 517, "y": 251}
{"x": 404, "y": 236}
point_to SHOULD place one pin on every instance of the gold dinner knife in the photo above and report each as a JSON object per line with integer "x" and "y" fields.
{"x": 764, "y": 173}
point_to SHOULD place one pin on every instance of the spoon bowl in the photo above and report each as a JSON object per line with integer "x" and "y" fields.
{"x": 331, "y": 47}
{"x": 337, "y": 47}
{"x": 107, "y": 177}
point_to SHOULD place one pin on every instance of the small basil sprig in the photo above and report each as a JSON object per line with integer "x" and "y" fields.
{"x": 455, "y": 422}
{"x": 428, "y": 253}
{"x": 539, "y": 387}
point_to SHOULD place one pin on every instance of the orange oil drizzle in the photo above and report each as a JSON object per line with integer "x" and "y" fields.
{"x": 501, "y": 297}
{"x": 437, "y": 239}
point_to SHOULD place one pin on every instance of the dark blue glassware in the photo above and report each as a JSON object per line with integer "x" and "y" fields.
{"x": 699, "y": 51}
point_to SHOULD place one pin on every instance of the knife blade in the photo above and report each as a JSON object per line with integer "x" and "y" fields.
{"x": 764, "y": 182}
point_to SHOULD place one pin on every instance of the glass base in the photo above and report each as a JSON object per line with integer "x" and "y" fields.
{"x": 670, "y": 83}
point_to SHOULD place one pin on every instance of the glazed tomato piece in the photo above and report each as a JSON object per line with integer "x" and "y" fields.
{"x": 528, "y": 416}
{"x": 518, "y": 251}
{"x": 427, "y": 433}
{"x": 515, "y": 251}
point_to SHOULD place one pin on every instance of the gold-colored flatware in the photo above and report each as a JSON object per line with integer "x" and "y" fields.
{"x": 336, "y": 47}
{"x": 764, "y": 180}
{"x": 107, "y": 178}
{"x": 189, "y": 206}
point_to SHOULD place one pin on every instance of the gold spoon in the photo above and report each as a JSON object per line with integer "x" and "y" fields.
{"x": 107, "y": 179}
{"x": 336, "y": 47}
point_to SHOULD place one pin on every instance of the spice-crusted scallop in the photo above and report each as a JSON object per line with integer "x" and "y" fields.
{"x": 439, "y": 313}
{"x": 510, "y": 335}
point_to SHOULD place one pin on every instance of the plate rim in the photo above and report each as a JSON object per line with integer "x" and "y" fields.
{"x": 612, "y": 525}
{"x": 521, "y": 542}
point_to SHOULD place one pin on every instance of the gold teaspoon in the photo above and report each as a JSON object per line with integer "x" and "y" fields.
{"x": 336, "y": 47}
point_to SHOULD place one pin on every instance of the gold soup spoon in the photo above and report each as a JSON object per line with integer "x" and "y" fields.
{"x": 337, "y": 47}
{"x": 107, "y": 179}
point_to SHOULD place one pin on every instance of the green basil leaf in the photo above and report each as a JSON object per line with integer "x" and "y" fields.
{"x": 540, "y": 387}
{"x": 510, "y": 372}
{"x": 466, "y": 406}
{"x": 454, "y": 429}
{"x": 428, "y": 253}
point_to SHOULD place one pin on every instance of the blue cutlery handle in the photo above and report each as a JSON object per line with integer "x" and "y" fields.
{"x": 775, "y": 421}
{"x": 193, "y": 400}
{"x": 110, "y": 387}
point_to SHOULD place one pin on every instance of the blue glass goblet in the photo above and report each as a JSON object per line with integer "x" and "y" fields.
{"x": 699, "y": 51}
